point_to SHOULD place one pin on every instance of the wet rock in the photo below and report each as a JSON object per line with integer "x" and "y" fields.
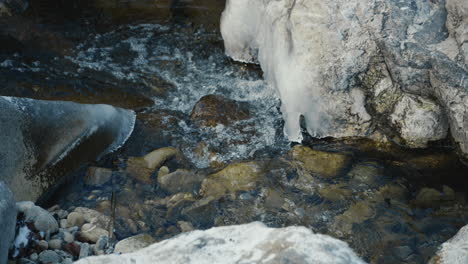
{"x": 42, "y": 219}
{"x": 367, "y": 174}
{"x": 94, "y": 217}
{"x": 235, "y": 177}
{"x": 201, "y": 212}
{"x": 163, "y": 171}
{"x": 326, "y": 164}
{"x": 185, "y": 226}
{"x": 7, "y": 221}
{"x": 92, "y": 233}
{"x": 357, "y": 213}
{"x": 49, "y": 256}
{"x": 419, "y": 121}
{"x": 428, "y": 197}
{"x": 141, "y": 168}
{"x": 180, "y": 181}
{"x": 134, "y": 243}
{"x": 249, "y": 243}
{"x": 39, "y": 135}
{"x": 212, "y": 110}
{"x": 75, "y": 219}
{"x": 97, "y": 176}
{"x": 336, "y": 192}
{"x": 454, "y": 251}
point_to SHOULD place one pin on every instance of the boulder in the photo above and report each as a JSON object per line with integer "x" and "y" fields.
{"x": 212, "y": 110}
{"x": 248, "y": 243}
{"x": 43, "y": 140}
{"x": 7, "y": 221}
{"x": 454, "y": 251}
{"x": 349, "y": 67}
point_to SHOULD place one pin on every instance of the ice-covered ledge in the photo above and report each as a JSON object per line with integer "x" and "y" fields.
{"x": 310, "y": 52}
{"x": 351, "y": 66}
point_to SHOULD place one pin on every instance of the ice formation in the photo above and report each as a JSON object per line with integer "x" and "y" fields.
{"x": 38, "y": 134}
{"x": 310, "y": 51}
{"x": 248, "y": 243}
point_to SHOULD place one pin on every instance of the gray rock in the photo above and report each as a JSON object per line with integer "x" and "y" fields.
{"x": 84, "y": 250}
{"x": 55, "y": 244}
{"x": 26, "y": 261}
{"x": 134, "y": 243}
{"x": 34, "y": 257}
{"x": 102, "y": 242}
{"x": 97, "y": 176}
{"x": 37, "y": 135}
{"x": 49, "y": 256}
{"x": 63, "y": 223}
{"x": 42, "y": 219}
{"x": 7, "y": 221}
{"x": 42, "y": 244}
{"x": 249, "y": 243}
{"x": 68, "y": 237}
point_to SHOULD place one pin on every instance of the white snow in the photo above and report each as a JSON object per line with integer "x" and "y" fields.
{"x": 454, "y": 251}
{"x": 21, "y": 240}
{"x": 248, "y": 243}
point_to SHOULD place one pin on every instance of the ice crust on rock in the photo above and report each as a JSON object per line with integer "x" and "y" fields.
{"x": 310, "y": 51}
{"x": 38, "y": 134}
{"x": 454, "y": 251}
{"x": 248, "y": 243}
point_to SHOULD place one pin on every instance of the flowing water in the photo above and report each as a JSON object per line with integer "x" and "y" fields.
{"x": 161, "y": 71}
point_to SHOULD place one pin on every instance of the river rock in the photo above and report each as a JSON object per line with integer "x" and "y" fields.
{"x": 42, "y": 219}
{"x": 97, "y": 176}
{"x": 180, "y": 181}
{"x": 454, "y": 251}
{"x": 7, "y": 221}
{"x": 141, "y": 168}
{"x": 94, "y": 217}
{"x": 326, "y": 164}
{"x": 233, "y": 178}
{"x": 39, "y": 135}
{"x": 49, "y": 256}
{"x": 249, "y": 243}
{"x": 75, "y": 219}
{"x": 212, "y": 110}
{"x": 55, "y": 244}
{"x": 92, "y": 233}
{"x": 134, "y": 243}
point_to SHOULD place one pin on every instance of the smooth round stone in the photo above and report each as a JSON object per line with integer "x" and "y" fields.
{"x": 49, "y": 256}
{"x": 34, "y": 257}
{"x": 63, "y": 223}
{"x": 55, "y": 244}
{"x": 42, "y": 244}
{"x": 68, "y": 237}
{"x": 75, "y": 219}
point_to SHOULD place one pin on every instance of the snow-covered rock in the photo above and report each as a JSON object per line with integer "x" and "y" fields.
{"x": 36, "y": 135}
{"x": 322, "y": 56}
{"x": 454, "y": 251}
{"x": 310, "y": 51}
{"x": 249, "y": 243}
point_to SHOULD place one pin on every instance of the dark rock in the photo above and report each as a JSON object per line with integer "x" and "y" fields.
{"x": 212, "y": 110}
{"x": 49, "y": 131}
